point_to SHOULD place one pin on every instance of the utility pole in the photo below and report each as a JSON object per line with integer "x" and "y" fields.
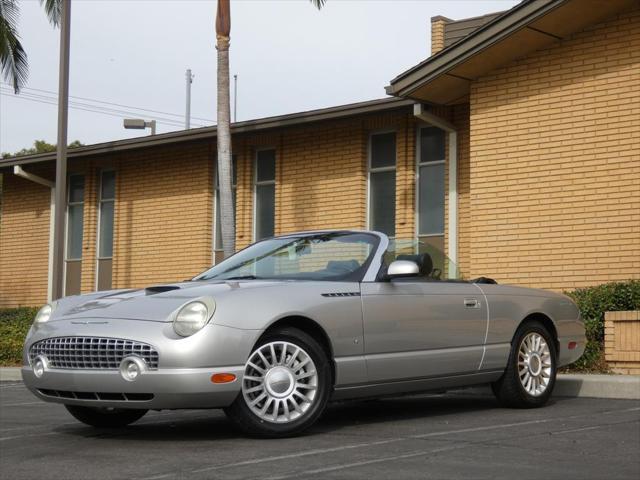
{"x": 235, "y": 98}
{"x": 57, "y": 290}
{"x": 187, "y": 114}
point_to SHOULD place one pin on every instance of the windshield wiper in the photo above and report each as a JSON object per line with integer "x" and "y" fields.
{"x": 242, "y": 277}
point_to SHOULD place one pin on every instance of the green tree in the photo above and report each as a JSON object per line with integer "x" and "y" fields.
{"x": 13, "y": 58}
{"x": 223, "y": 31}
{"x": 39, "y": 146}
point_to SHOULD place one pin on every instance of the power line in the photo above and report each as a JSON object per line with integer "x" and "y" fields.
{"x": 168, "y": 122}
{"x": 111, "y": 103}
{"x": 88, "y": 108}
{"x": 95, "y": 108}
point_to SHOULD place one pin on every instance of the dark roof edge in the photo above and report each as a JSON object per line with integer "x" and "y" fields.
{"x": 279, "y": 121}
{"x": 490, "y": 33}
{"x": 499, "y": 12}
{"x": 440, "y": 17}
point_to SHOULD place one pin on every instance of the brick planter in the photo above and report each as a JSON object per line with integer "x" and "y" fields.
{"x": 622, "y": 341}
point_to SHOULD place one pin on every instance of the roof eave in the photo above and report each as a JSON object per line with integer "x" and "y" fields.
{"x": 208, "y": 133}
{"x": 528, "y": 27}
{"x": 491, "y": 33}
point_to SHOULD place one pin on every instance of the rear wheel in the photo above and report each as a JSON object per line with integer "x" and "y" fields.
{"x": 105, "y": 417}
{"x": 286, "y": 385}
{"x": 530, "y": 376}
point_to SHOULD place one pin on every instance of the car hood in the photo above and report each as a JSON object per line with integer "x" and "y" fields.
{"x": 155, "y": 303}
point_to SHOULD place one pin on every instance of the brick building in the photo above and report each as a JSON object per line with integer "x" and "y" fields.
{"x": 515, "y": 148}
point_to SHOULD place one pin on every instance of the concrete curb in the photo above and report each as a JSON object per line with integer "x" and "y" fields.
{"x": 567, "y": 385}
{"x": 598, "y": 386}
{"x": 621, "y": 387}
{"x": 10, "y": 374}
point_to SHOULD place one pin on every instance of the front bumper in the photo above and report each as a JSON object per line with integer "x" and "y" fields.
{"x": 153, "y": 389}
{"x": 182, "y": 379}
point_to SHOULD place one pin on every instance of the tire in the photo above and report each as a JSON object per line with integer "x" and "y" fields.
{"x": 105, "y": 417}
{"x": 529, "y": 378}
{"x": 289, "y": 389}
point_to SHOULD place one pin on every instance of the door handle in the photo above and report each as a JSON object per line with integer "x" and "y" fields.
{"x": 471, "y": 303}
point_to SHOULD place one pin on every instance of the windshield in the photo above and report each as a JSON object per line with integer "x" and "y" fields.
{"x": 433, "y": 263}
{"x": 324, "y": 256}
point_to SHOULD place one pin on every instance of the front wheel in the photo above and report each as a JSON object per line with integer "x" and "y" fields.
{"x": 530, "y": 376}
{"x": 285, "y": 387}
{"x": 105, "y": 417}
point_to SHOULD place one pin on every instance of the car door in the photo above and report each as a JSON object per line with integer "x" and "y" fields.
{"x": 415, "y": 328}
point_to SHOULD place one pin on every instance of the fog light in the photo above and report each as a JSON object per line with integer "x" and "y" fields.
{"x": 131, "y": 368}
{"x": 39, "y": 366}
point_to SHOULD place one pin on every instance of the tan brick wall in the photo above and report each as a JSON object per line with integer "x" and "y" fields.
{"x": 163, "y": 214}
{"x": 24, "y": 242}
{"x": 164, "y": 201}
{"x": 555, "y": 162}
{"x": 622, "y": 341}
{"x": 321, "y": 175}
{"x": 465, "y": 223}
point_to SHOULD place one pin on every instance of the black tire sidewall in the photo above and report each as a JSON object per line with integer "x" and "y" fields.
{"x": 240, "y": 413}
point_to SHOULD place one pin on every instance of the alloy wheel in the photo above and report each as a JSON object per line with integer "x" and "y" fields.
{"x": 534, "y": 364}
{"x": 280, "y": 382}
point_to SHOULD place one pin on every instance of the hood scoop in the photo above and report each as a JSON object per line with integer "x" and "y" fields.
{"x": 160, "y": 289}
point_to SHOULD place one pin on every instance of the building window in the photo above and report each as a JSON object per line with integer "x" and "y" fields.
{"x": 382, "y": 183}
{"x": 265, "y": 194}
{"x": 218, "y": 254}
{"x": 75, "y": 223}
{"x": 106, "y": 202}
{"x": 431, "y": 188}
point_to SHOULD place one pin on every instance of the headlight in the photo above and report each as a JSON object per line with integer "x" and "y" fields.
{"x": 44, "y": 314}
{"x": 191, "y": 318}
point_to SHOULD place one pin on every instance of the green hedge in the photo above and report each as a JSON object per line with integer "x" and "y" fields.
{"x": 14, "y": 325}
{"x": 593, "y": 302}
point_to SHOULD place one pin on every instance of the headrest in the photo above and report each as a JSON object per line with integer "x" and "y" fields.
{"x": 424, "y": 262}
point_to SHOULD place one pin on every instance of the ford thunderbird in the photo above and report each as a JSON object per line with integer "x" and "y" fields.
{"x": 276, "y": 331}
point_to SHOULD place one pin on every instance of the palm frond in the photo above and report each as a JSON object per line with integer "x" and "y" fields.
{"x": 53, "y": 9}
{"x": 318, "y": 3}
{"x": 13, "y": 59}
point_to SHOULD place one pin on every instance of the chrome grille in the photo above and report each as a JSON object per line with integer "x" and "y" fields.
{"x": 91, "y": 353}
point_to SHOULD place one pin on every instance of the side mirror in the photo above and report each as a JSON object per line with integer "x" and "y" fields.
{"x": 402, "y": 268}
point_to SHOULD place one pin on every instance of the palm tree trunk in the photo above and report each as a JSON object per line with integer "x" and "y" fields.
{"x": 227, "y": 220}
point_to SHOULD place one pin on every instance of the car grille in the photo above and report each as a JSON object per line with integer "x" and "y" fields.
{"x": 91, "y": 353}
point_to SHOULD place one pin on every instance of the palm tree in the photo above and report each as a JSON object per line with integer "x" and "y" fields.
{"x": 13, "y": 58}
{"x": 223, "y": 30}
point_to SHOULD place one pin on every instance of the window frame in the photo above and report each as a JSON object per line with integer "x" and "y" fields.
{"x": 66, "y": 229}
{"x": 99, "y": 227}
{"x": 419, "y": 164}
{"x": 370, "y": 170}
{"x": 256, "y": 184}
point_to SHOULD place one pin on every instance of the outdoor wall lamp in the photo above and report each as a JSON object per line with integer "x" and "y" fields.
{"x": 139, "y": 124}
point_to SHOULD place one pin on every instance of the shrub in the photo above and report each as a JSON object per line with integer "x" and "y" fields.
{"x": 593, "y": 302}
{"x": 14, "y": 325}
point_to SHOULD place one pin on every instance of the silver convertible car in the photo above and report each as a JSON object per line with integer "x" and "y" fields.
{"x": 279, "y": 329}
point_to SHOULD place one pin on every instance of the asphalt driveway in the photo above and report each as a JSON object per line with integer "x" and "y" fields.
{"x": 438, "y": 436}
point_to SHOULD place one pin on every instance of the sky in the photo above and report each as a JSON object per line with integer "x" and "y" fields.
{"x": 289, "y": 57}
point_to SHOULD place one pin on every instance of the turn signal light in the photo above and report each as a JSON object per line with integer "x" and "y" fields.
{"x": 223, "y": 377}
{"x": 572, "y": 345}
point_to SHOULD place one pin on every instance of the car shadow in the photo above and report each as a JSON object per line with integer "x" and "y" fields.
{"x": 196, "y": 425}
{"x": 397, "y": 409}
